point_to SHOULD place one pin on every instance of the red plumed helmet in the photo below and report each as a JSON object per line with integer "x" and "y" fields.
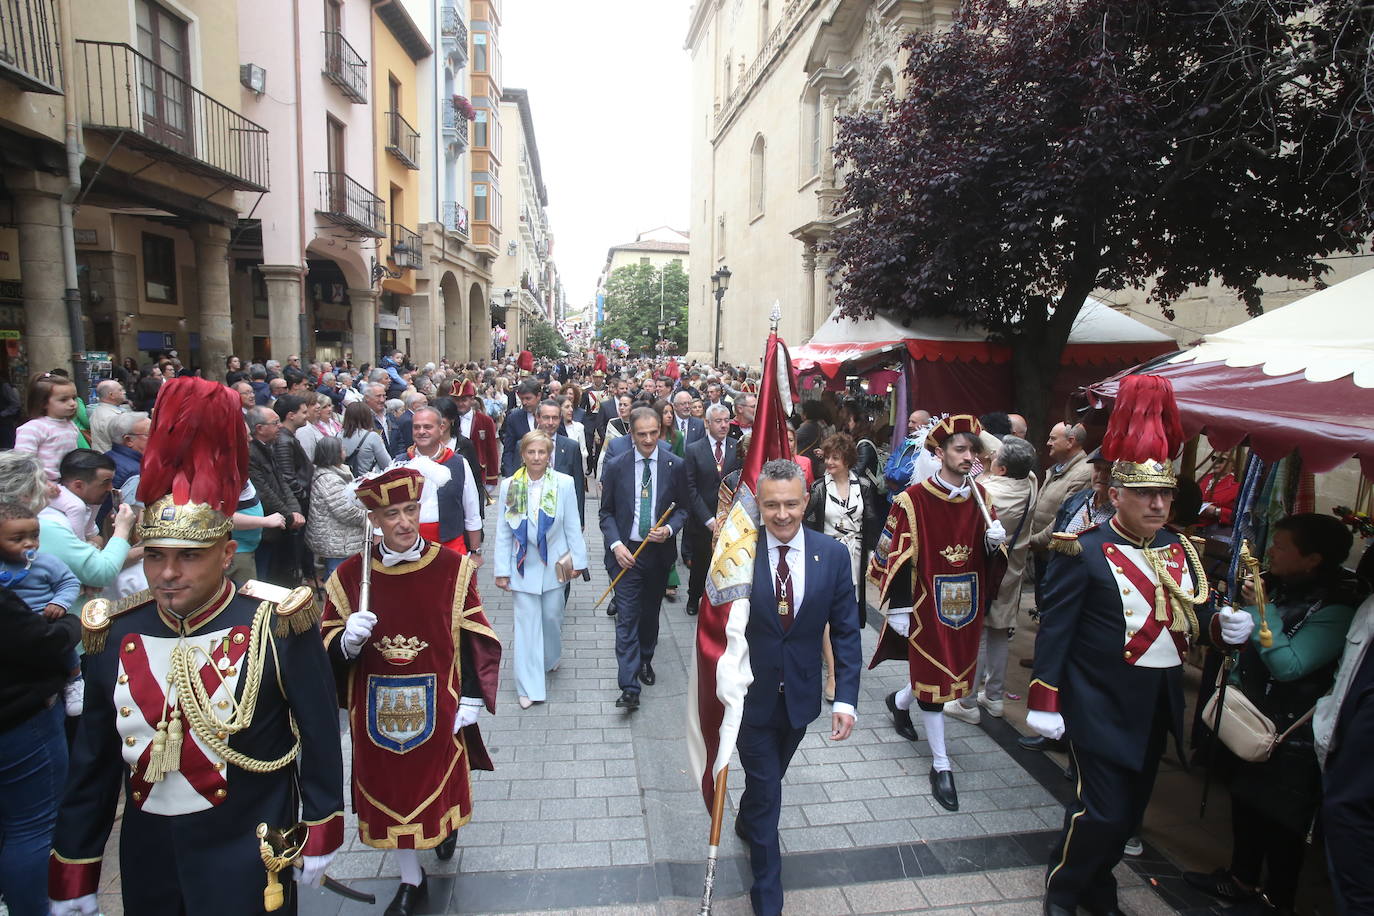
{"x": 197, "y": 448}
{"x": 1145, "y": 424}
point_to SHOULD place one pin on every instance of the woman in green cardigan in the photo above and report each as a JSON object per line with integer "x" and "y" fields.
{"x": 1311, "y": 601}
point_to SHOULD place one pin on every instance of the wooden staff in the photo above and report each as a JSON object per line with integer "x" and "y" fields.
{"x": 635, "y": 556}
{"x": 713, "y": 850}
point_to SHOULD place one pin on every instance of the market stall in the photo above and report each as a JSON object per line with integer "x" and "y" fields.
{"x": 952, "y": 368}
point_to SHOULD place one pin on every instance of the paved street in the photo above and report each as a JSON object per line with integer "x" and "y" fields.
{"x": 592, "y": 810}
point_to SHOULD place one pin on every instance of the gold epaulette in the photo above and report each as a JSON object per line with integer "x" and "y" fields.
{"x": 1065, "y": 543}
{"x": 295, "y": 610}
{"x": 97, "y": 613}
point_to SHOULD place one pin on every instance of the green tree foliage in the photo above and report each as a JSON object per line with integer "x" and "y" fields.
{"x": 545, "y": 342}
{"x": 634, "y": 294}
{"x": 1046, "y": 149}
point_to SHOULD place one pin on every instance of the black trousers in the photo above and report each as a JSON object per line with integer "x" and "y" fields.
{"x": 699, "y": 537}
{"x": 1111, "y": 802}
{"x": 1258, "y": 841}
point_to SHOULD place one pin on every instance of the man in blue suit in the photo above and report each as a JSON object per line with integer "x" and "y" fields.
{"x": 637, "y": 488}
{"x": 692, "y": 427}
{"x": 567, "y": 457}
{"x": 801, "y": 583}
{"x": 519, "y": 421}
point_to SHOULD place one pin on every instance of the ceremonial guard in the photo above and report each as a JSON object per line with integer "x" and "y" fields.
{"x": 413, "y": 674}
{"x": 481, "y": 430}
{"x": 210, "y": 706}
{"x": 1121, "y": 601}
{"x": 935, "y": 566}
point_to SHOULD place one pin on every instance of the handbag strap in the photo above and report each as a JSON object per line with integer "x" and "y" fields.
{"x": 1295, "y": 726}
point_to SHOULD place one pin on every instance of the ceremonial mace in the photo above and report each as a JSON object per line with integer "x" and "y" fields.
{"x": 635, "y": 556}
{"x": 982, "y": 507}
{"x": 713, "y": 850}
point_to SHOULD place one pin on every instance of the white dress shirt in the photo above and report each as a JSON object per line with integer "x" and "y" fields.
{"x": 465, "y": 424}
{"x": 637, "y": 481}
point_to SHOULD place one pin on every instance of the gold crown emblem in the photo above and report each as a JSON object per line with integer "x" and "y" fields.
{"x": 400, "y": 650}
{"x": 166, "y": 524}
{"x": 957, "y": 554}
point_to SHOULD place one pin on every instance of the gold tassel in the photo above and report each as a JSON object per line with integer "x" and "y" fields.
{"x": 1161, "y": 604}
{"x": 93, "y": 641}
{"x": 171, "y": 754}
{"x": 296, "y": 614}
{"x": 1065, "y": 543}
{"x": 156, "y": 768}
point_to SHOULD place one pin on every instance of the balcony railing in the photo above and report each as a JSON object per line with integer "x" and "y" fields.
{"x": 29, "y": 52}
{"x": 456, "y": 218}
{"x": 455, "y": 128}
{"x": 402, "y": 140}
{"x": 158, "y": 112}
{"x": 347, "y": 203}
{"x": 454, "y": 32}
{"x": 345, "y": 67}
{"x": 405, "y": 248}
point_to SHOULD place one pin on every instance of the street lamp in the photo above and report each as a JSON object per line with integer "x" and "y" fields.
{"x": 720, "y": 282}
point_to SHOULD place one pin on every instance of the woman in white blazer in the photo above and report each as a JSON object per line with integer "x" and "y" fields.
{"x": 539, "y": 526}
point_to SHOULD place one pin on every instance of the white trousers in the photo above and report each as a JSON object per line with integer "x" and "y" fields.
{"x": 538, "y": 639}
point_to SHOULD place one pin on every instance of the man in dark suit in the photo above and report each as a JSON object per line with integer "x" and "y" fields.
{"x": 567, "y": 457}
{"x": 692, "y": 427}
{"x": 637, "y": 489}
{"x": 401, "y": 425}
{"x": 518, "y": 422}
{"x": 610, "y": 409}
{"x": 708, "y": 460}
{"x": 801, "y": 584}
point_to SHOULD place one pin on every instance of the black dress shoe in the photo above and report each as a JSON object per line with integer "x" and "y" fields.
{"x": 670, "y": 596}
{"x": 1041, "y": 743}
{"x": 901, "y": 718}
{"x": 610, "y": 608}
{"x": 1054, "y": 909}
{"x": 646, "y": 675}
{"x": 1219, "y": 884}
{"x": 409, "y": 898}
{"x": 446, "y": 847}
{"x": 628, "y": 700}
{"x": 942, "y": 787}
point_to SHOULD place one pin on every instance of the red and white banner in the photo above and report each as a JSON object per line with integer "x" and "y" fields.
{"x": 720, "y": 674}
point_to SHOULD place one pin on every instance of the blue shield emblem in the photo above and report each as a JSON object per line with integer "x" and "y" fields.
{"x": 400, "y": 710}
{"x": 956, "y": 599}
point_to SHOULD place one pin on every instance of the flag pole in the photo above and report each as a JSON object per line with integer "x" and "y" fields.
{"x": 713, "y": 850}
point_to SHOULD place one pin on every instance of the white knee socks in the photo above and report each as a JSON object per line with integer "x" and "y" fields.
{"x": 935, "y": 737}
{"x": 904, "y": 697}
{"x": 409, "y": 860}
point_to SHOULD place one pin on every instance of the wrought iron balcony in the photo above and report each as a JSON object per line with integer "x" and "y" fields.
{"x": 29, "y": 52}
{"x": 345, "y": 202}
{"x": 456, "y": 218}
{"x": 402, "y": 140}
{"x": 345, "y": 67}
{"x": 160, "y": 113}
{"x": 405, "y": 248}
{"x": 455, "y": 128}
{"x": 455, "y": 33}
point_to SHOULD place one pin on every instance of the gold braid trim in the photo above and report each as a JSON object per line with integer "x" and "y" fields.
{"x": 1185, "y": 620}
{"x": 297, "y": 613}
{"x": 198, "y": 710}
{"x": 1065, "y": 543}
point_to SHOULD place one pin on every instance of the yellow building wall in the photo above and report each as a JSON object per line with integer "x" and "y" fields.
{"x": 390, "y": 61}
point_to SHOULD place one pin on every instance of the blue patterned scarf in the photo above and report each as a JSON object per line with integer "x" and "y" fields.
{"x": 517, "y": 515}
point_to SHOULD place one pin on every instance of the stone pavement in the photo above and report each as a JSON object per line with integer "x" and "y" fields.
{"x": 593, "y": 810}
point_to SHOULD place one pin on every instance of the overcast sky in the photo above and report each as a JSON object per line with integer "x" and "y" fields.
{"x": 610, "y": 91}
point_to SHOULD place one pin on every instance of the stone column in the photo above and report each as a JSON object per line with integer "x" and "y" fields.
{"x": 823, "y": 303}
{"x": 37, "y": 215}
{"x": 212, "y": 287}
{"x": 285, "y": 287}
{"x": 426, "y": 325}
{"x": 828, "y": 113}
{"x": 810, "y": 320}
{"x": 364, "y": 315}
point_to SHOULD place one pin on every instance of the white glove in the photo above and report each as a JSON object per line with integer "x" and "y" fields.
{"x": 81, "y": 906}
{"x": 358, "y": 631}
{"x": 310, "y": 871}
{"x": 1048, "y": 724}
{"x": 468, "y": 710}
{"x": 1236, "y": 626}
{"x": 996, "y": 534}
{"x": 901, "y": 622}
